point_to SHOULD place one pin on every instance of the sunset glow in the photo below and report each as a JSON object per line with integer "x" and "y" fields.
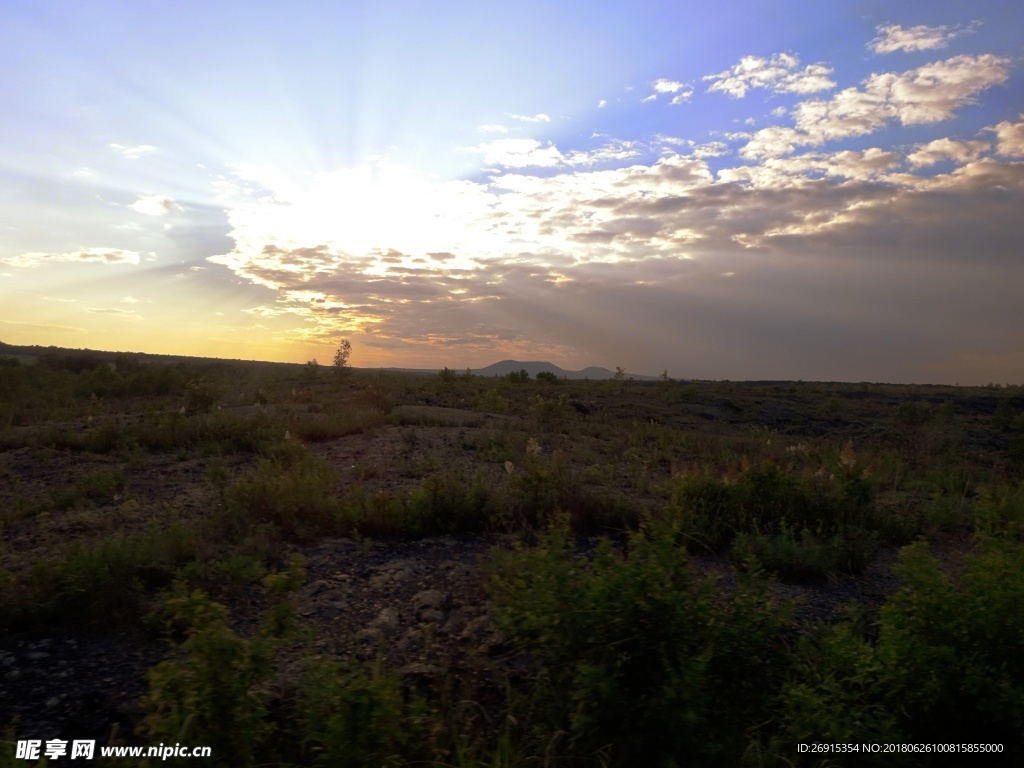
{"x": 750, "y": 191}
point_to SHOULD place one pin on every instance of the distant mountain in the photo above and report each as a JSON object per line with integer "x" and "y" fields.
{"x": 503, "y": 368}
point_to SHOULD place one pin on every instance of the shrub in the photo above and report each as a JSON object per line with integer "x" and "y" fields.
{"x": 205, "y": 692}
{"x": 643, "y": 661}
{"x": 100, "y": 581}
{"x": 491, "y": 401}
{"x": 947, "y": 664}
{"x": 349, "y": 719}
{"x": 550, "y": 413}
{"x": 201, "y": 396}
{"x": 290, "y": 489}
{"x": 800, "y": 527}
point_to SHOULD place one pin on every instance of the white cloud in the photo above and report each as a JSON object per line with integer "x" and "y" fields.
{"x": 519, "y": 153}
{"x": 614, "y": 150}
{"x": 133, "y": 153}
{"x": 86, "y": 255}
{"x": 538, "y": 118}
{"x": 123, "y": 313}
{"x": 156, "y": 205}
{"x": 928, "y": 94}
{"x": 1009, "y": 138}
{"x": 799, "y": 170}
{"x": 946, "y": 149}
{"x": 683, "y": 92}
{"x": 129, "y": 300}
{"x": 674, "y": 140}
{"x": 893, "y": 37}
{"x": 711, "y": 149}
{"x": 777, "y": 74}
{"x": 602, "y": 104}
{"x": 663, "y": 85}
{"x": 492, "y": 129}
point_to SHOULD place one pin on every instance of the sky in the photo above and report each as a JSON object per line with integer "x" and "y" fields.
{"x": 734, "y": 190}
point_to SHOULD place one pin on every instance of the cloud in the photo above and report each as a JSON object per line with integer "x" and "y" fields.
{"x": 928, "y": 94}
{"x": 492, "y": 129}
{"x": 86, "y": 255}
{"x": 778, "y": 74}
{"x": 133, "y": 153}
{"x": 519, "y": 153}
{"x": 119, "y": 312}
{"x": 711, "y": 149}
{"x": 538, "y": 118}
{"x": 615, "y": 150}
{"x": 893, "y": 37}
{"x": 602, "y": 104}
{"x": 1009, "y": 138}
{"x": 799, "y": 170}
{"x": 667, "y": 86}
{"x": 156, "y": 205}
{"x": 946, "y": 149}
{"x": 683, "y": 93}
{"x": 828, "y": 251}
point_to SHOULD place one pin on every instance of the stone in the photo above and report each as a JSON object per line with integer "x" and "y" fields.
{"x": 387, "y": 620}
{"x": 456, "y": 622}
{"x": 430, "y": 598}
{"x": 314, "y": 588}
{"x": 432, "y": 615}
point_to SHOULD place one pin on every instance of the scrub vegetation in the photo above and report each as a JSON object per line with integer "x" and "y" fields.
{"x": 681, "y": 572}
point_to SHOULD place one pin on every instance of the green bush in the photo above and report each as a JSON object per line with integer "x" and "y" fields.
{"x": 290, "y": 489}
{"x": 550, "y": 413}
{"x": 206, "y": 691}
{"x": 797, "y": 526}
{"x": 201, "y": 396}
{"x": 644, "y": 663}
{"x": 946, "y": 664}
{"x": 350, "y": 719}
{"x": 100, "y": 581}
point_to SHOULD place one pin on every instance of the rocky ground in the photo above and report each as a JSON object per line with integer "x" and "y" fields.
{"x": 418, "y": 606}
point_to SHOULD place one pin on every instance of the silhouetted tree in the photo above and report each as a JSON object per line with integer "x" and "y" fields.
{"x": 341, "y": 366}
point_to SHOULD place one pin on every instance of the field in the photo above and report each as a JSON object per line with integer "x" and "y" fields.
{"x": 297, "y": 565}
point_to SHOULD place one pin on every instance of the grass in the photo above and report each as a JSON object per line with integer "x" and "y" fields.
{"x": 631, "y": 656}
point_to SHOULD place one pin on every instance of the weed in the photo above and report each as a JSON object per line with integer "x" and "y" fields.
{"x": 289, "y": 489}
{"x": 947, "y": 663}
{"x": 795, "y": 526}
{"x": 348, "y": 718}
{"x": 642, "y": 661}
{"x": 205, "y": 691}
